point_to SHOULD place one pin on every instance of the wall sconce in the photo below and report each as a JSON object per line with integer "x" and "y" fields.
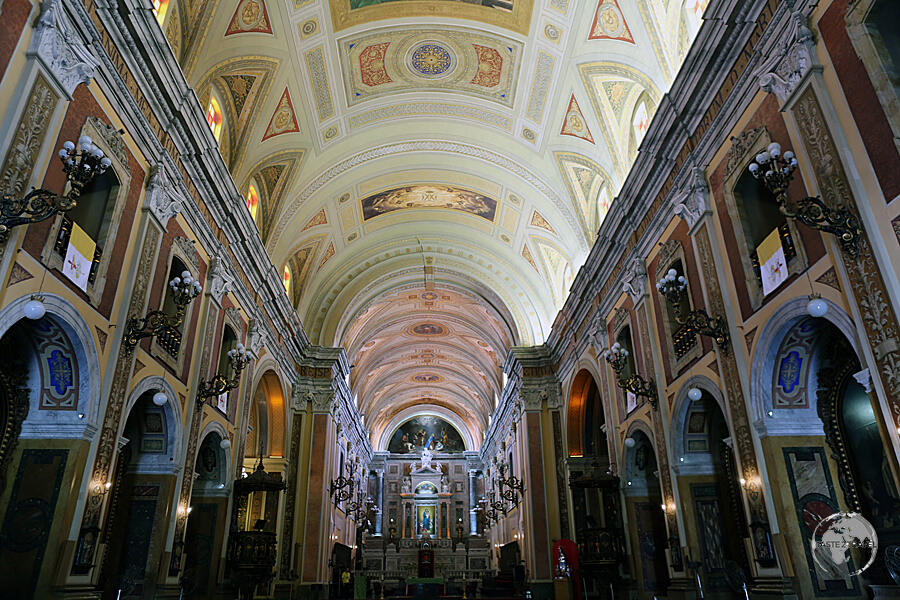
{"x": 184, "y": 512}
{"x": 218, "y": 385}
{"x": 184, "y": 290}
{"x": 516, "y": 487}
{"x": 617, "y": 357}
{"x": 673, "y": 287}
{"x": 777, "y": 172}
{"x": 342, "y": 488}
{"x": 102, "y": 489}
{"x": 40, "y": 204}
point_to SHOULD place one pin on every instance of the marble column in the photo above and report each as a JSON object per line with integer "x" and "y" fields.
{"x": 473, "y": 502}
{"x": 379, "y": 499}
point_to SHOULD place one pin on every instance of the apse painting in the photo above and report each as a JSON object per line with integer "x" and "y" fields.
{"x": 429, "y": 196}
{"x": 427, "y": 329}
{"x": 505, "y": 5}
{"x": 425, "y": 520}
{"x": 427, "y": 431}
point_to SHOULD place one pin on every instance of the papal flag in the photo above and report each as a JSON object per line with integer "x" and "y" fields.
{"x": 772, "y": 264}
{"x": 79, "y": 257}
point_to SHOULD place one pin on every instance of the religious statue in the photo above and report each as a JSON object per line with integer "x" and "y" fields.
{"x": 427, "y": 455}
{"x": 445, "y": 483}
{"x": 407, "y": 485}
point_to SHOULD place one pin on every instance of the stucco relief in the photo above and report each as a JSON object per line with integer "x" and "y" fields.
{"x": 56, "y": 44}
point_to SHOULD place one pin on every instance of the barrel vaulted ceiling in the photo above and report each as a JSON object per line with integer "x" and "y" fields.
{"x": 432, "y": 174}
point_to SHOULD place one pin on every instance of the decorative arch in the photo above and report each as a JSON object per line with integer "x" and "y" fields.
{"x": 681, "y": 409}
{"x": 171, "y": 463}
{"x": 62, "y": 424}
{"x": 213, "y": 433}
{"x": 241, "y": 86}
{"x": 268, "y": 414}
{"x": 763, "y": 365}
{"x": 392, "y": 424}
{"x": 630, "y": 459}
{"x": 584, "y": 389}
{"x": 271, "y": 178}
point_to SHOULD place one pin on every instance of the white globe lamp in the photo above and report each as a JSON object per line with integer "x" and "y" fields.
{"x": 34, "y": 309}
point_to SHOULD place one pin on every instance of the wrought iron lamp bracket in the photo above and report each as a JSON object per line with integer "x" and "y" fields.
{"x": 776, "y": 170}
{"x": 80, "y": 167}
{"x": 184, "y": 289}
{"x": 220, "y": 384}
{"x": 698, "y": 320}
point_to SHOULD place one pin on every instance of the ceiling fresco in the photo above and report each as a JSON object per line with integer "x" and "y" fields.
{"x": 431, "y": 174}
{"x": 429, "y": 197}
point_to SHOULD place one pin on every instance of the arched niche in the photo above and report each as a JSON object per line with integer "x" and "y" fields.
{"x": 792, "y": 340}
{"x": 643, "y": 505}
{"x": 586, "y": 418}
{"x": 684, "y": 459}
{"x": 391, "y": 426}
{"x": 267, "y": 418}
{"x": 58, "y": 355}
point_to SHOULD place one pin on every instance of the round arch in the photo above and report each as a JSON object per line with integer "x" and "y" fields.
{"x": 384, "y": 437}
{"x": 174, "y": 423}
{"x": 765, "y": 356}
{"x": 582, "y": 389}
{"x": 268, "y": 414}
{"x": 221, "y": 486}
{"x": 63, "y": 424}
{"x": 680, "y": 411}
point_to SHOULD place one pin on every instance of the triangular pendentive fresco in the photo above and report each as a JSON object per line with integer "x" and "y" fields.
{"x": 609, "y": 23}
{"x": 538, "y": 220}
{"x": 575, "y": 124}
{"x": 283, "y": 119}
{"x": 318, "y": 219}
{"x": 328, "y": 254}
{"x": 251, "y": 16}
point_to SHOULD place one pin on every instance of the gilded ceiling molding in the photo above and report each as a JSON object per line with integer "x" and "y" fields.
{"x": 388, "y": 150}
{"x": 318, "y": 79}
{"x": 539, "y": 87}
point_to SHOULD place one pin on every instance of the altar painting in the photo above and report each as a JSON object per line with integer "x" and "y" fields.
{"x": 430, "y": 432}
{"x": 425, "y": 520}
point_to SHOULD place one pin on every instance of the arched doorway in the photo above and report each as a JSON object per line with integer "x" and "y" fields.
{"x": 141, "y": 496}
{"x": 643, "y": 503}
{"x": 709, "y": 488}
{"x": 48, "y": 390}
{"x": 828, "y": 435}
{"x": 207, "y": 521}
{"x": 598, "y": 528}
{"x": 267, "y": 422}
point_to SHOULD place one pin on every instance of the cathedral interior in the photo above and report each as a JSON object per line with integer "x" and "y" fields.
{"x": 572, "y": 299}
